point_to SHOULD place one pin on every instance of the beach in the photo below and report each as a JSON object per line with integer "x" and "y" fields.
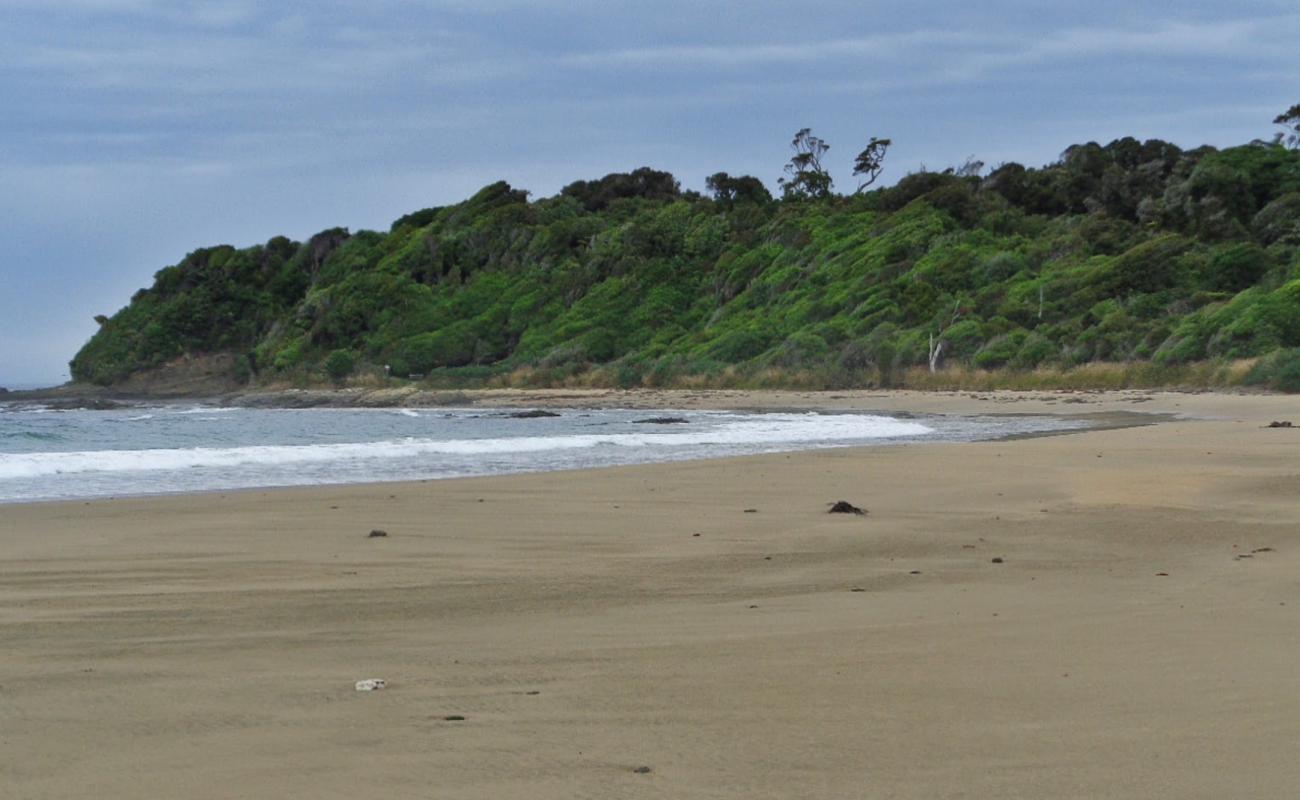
{"x": 1113, "y": 613}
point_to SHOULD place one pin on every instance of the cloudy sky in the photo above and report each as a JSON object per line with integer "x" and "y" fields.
{"x": 133, "y": 131}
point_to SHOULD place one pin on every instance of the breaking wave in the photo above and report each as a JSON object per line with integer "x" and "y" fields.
{"x": 760, "y": 431}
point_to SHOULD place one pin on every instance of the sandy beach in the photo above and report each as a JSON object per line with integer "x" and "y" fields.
{"x": 689, "y": 630}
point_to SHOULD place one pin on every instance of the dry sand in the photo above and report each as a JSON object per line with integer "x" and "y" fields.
{"x": 206, "y": 646}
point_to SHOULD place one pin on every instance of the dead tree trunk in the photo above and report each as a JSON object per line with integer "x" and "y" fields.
{"x": 936, "y": 344}
{"x": 936, "y": 352}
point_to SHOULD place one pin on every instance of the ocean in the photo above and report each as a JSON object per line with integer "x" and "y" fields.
{"x": 48, "y": 454}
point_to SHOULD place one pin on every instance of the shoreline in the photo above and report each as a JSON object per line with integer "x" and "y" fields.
{"x": 1112, "y": 421}
{"x": 778, "y": 403}
{"x": 1100, "y": 615}
{"x": 72, "y": 397}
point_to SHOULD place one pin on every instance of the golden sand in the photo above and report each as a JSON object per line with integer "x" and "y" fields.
{"x": 1139, "y": 639}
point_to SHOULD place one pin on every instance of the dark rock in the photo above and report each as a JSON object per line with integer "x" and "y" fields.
{"x": 86, "y": 404}
{"x": 454, "y": 718}
{"x": 845, "y": 507}
{"x": 641, "y": 770}
{"x": 377, "y": 534}
{"x": 290, "y": 398}
{"x": 536, "y": 413}
{"x": 1162, "y": 574}
{"x": 3, "y": 390}
{"x": 1286, "y": 423}
{"x": 915, "y": 572}
{"x": 1262, "y": 550}
{"x": 997, "y": 560}
{"x": 661, "y": 421}
{"x": 857, "y": 589}
{"x": 751, "y": 511}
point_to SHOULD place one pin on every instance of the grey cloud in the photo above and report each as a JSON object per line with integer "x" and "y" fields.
{"x": 876, "y": 47}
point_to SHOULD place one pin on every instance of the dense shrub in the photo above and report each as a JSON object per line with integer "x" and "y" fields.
{"x": 1281, "y": 371}
{"x": 1001, "y": 350}
{"x": 1124, "y": 251}
{"x": 1035, "y": 349}
{"x": 339, "y": 364}
{"x": 1279, "y": 221}
{"x": 1236, "y": 267}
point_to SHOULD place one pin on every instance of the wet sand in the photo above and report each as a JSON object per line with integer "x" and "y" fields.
{"x": 708, "y": 621}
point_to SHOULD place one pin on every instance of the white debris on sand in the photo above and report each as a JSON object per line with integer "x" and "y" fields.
{"x": 371, "y": 685}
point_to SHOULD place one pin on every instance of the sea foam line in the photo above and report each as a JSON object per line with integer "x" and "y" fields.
{"x": 770, "y": 429}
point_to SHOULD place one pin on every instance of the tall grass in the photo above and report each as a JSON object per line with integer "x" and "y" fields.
{"x": 710, "y": 375}
{"x": 1097, "y": 375}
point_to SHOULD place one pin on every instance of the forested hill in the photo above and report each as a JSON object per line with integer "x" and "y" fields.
{"x": 1132, "y": 251}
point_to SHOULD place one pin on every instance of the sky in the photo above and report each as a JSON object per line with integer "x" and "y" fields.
{"x": 135, "y": 131}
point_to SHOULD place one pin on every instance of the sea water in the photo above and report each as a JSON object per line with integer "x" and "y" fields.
{"x": 48, "y": 454}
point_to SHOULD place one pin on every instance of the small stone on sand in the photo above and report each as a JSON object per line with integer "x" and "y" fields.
{"x": 845, "y": 507}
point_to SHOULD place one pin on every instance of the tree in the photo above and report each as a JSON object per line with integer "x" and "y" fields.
{"x": 1290, "y": 121}
{"x": 972, "y": 168}
{"x": 870, "y": 162}
{"x": 729, "y": 190}
{"x": 643, "y": 182}
{"x": 807, "y": 179}
{"x": 340, "y": 364}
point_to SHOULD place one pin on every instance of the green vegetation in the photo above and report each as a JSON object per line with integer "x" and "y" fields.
{"x": 1165, "y": 264}
{"x": 1280, "y": 371}
{"x": 339, "y": 364}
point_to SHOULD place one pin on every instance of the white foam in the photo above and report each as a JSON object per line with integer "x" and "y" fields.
{"x": 35, "y": 409}
{"x": 763, "y": 430}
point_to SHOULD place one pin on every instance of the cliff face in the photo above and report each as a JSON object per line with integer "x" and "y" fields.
{"x": 1132, "y": 251}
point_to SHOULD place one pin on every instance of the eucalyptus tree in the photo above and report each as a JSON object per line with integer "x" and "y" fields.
{"x": 806, "y": 178}
{"x": 870, "y": 162}
{"x": 1290, "y": 122}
